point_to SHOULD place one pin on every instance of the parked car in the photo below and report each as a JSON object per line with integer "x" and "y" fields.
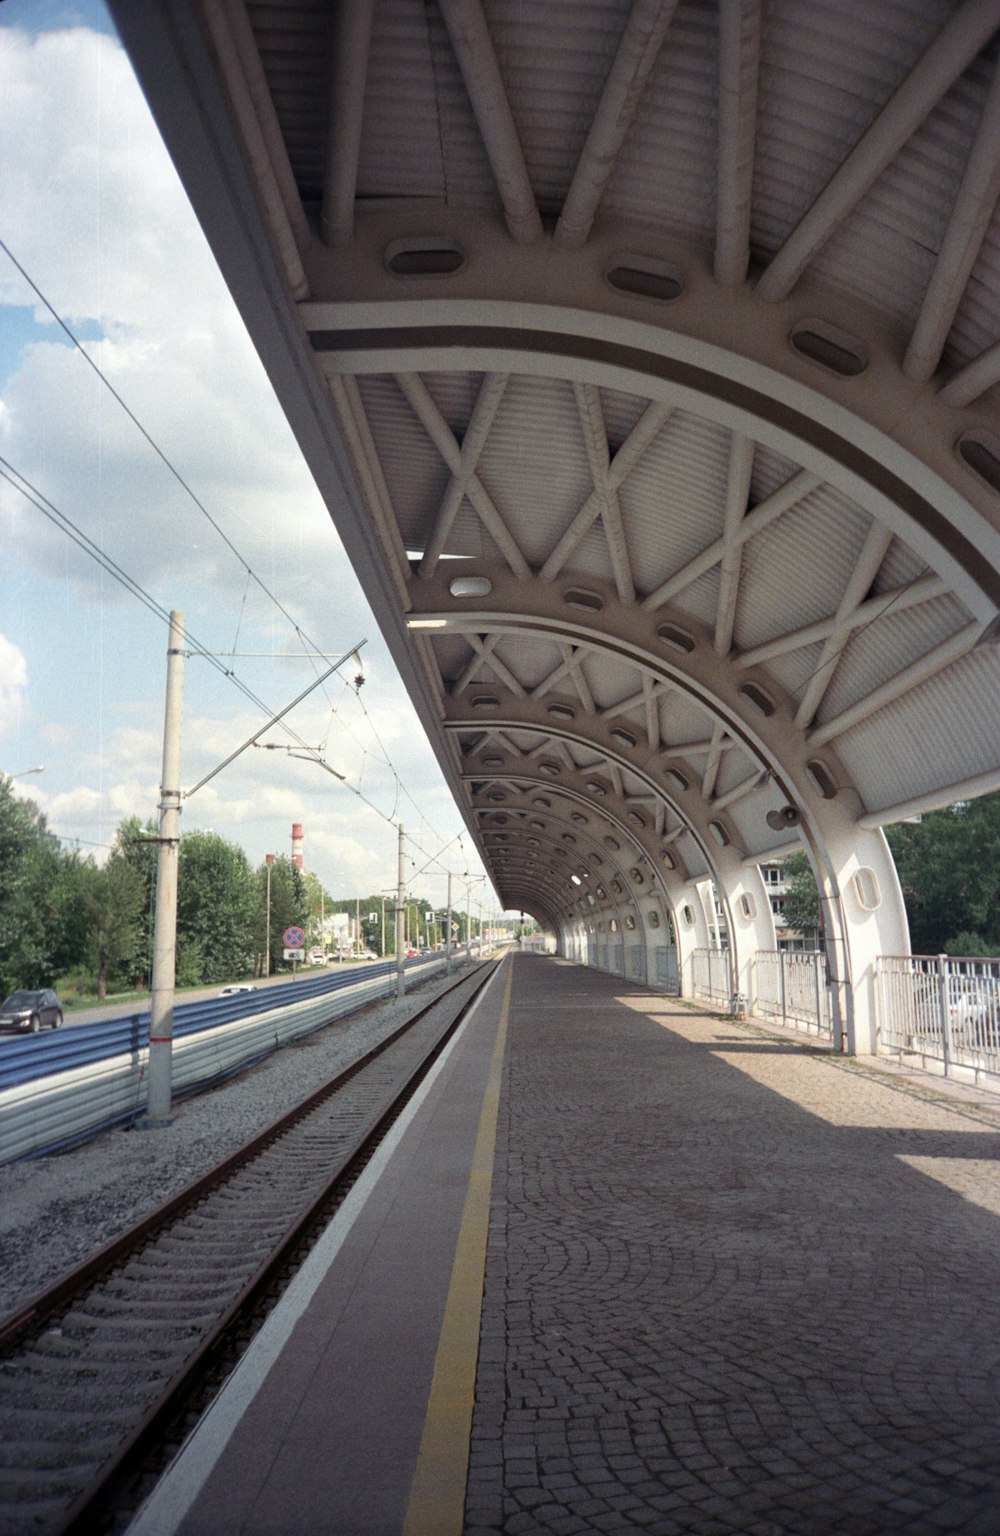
{"x": 28, "y": 1012}
{"x": 412, "y": 954}
{"x": 972, "y": 1003}
{"x": 240, "y": 986}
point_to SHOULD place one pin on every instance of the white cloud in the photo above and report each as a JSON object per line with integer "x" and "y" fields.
{"x": 13, "y": 685}
{"x": 94, "y": 212}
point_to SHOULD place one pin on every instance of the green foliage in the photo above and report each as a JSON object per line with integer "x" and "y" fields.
{"x": 216, "y": 908}
{"x": 801, "y": 899}
{"x": 32, "y": 917}
{"x": 949, "y": 869}
{"x": 289, "y": 908}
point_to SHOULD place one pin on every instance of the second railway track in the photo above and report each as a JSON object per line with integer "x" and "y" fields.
{"x": 97, "y": 1371}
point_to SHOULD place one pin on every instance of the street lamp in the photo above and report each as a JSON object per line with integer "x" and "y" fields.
{"x": 25, "y": 772}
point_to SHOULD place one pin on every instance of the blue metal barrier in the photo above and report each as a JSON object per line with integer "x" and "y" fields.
{"x": 26, "y": 1058}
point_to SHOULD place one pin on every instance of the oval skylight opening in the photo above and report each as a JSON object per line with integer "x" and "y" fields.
{"x": 981, "y": 452}
{"x": 470, "y": 586}
{"x": 756, "y": 696}
{"x": 424, "y": 256}
{"x": 678, "y": 639}
{"x": 833, "y": 349}
{"x": 580, "y": 598}
{"x": 646, "y": 278}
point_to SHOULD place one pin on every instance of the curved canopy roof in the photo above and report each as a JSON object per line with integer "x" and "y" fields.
{"x": 647, "y": 356}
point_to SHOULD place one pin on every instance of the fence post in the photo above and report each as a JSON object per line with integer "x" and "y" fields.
{"x": 943, "y": 1008}
{"x": 819, "y": 996}
{"x": 781, "y": 977}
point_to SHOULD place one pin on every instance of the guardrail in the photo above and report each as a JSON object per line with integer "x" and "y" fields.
{"x": 791, "y": 985}
{"x": 61, "y": 1087}
{"x": 941, "y": 1008}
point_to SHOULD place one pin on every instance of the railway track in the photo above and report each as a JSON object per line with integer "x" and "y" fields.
{"x": 101, "y": 1373}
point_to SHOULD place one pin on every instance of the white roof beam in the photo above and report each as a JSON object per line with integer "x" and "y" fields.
{"x": 352, "y": 30}
{"x": 480, "y": 655}
{"x": 936, "y": 800}
{"x": 573, "y": 662}
{"x": 443, "y": 438}
{"x": 624, "y": 461}
{"x": 650, "y": 695}
{"x": 741, "y": 451}
{"x": 739, "y": 792}
{"x": 865, "y": 571}
{"x": 739, "y": 66}
{"x": 484, "y": 411}
{"x": 714, "y": 757}
{"x": 477, "y": 60}
{"x": 356, "y": 432}
{"x": 595, "y": 437}
{"x": 970, "y": 219}
{"x": 239, "y": 62}
{"x": 918, "y": 672}
{"x": 967, "y": 31}
{"x": 974, "y": 379}
{"x": 897, "y": 598}
{"x": 765, "y": 513}
{"x": 644, "y": 33}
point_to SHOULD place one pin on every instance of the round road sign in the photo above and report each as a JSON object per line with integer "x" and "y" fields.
{"x": 294, "y": 938}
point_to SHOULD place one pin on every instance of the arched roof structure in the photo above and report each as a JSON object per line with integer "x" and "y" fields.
{"x": 647, "y": 355}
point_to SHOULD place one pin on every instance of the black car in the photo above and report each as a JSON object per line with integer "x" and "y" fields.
{"x": 29, "y": 1011}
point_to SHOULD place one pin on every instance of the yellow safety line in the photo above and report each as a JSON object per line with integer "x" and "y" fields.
{"x": 437, "y": 1494}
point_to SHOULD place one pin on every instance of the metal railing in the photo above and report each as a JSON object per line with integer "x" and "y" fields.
{"x": 711, "y": 977}
{"x": 790, "y": 986}
{"x": 940, "y": 1008}
{"x": 60, "y": 1087}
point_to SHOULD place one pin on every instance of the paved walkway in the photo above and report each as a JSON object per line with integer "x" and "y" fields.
{"x": 735, "y": 1286}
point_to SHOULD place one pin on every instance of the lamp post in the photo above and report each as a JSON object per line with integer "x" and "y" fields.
{"x": 25, "y": 772}
{"x": 268, "y": 860}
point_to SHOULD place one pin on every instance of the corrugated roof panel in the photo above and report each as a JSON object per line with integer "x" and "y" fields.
{"x": 682, "y": 719}
{"x": 401, "y": 148}
{"x": 555, "y": 60}
{"x": 944, "y": 731}
{"x": 701, "y": 598}
{"x": 819, "y": 539}
{"x": 665, "y": 173}
{"x": 875, "y": 654}
{"x": 610, "y": 679}
{"x": 531, "y": 659}
{"x": 621, "y": 412}
{"x": 886, "y": 249}
{"x": 534, "y": 464}
{"x": 414, "y": 471}
{"x": 673, "y": 501}
{"x": 977, "y": 323}
{"x": 817, "y": 96}
{"x": 793, "y": 671}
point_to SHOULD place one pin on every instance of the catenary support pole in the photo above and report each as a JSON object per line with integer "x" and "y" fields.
{"x": 161, "y": 1017}
{"x": 447, "y": 940}
{"x": 400, "y": 919}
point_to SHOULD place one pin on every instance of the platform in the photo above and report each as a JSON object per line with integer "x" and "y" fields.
{"x": 734, "y": 1285}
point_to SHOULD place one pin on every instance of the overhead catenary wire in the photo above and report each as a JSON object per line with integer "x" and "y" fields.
{"x": 310, "y": 647}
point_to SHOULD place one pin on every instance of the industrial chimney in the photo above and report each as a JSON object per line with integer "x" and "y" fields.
{"x": 297, "y": 844}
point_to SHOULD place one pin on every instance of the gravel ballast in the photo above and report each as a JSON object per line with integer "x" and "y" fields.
{"x": 56, "y": 1211}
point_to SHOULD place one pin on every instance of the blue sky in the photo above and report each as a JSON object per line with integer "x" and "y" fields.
{"x": 91, "y": 209}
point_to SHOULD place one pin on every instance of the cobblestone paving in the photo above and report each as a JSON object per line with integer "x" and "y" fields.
{"x": 728, "y": 1290}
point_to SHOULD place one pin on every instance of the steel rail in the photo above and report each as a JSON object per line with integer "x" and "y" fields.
{"x": 113, "y": 1485}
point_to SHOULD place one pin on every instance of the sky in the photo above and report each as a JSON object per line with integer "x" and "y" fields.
{"x": 197, "y": 492}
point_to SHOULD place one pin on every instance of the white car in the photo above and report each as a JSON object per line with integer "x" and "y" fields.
{"x": 241, "y": 986}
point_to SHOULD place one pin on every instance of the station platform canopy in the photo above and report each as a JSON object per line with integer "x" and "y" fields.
{"x": 647, "y": 357}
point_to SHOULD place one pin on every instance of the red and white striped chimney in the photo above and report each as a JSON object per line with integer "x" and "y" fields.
{"x": 297, "y": 844}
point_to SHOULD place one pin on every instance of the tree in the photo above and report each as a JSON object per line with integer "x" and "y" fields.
{"x": 112, "y": 900}
{"x": 216, "y": 910}
{"x": 31, "y": 914}
{"x": 288, "y": 906}
{"x": 949, "y": 869}
{"x": 801, "y": 898}
{"x": 137, "y": 841}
